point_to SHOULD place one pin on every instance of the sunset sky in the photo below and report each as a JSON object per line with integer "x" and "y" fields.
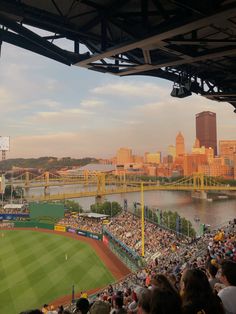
{"x": 49, "y": 109}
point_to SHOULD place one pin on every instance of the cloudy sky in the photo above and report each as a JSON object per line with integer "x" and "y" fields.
{"x": 49, "y": 109}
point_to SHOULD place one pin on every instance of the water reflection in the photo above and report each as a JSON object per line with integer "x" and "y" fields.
{"x": 213, "y": 213}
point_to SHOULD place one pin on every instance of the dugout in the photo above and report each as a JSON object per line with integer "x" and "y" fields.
{"x": 54, "y": 210}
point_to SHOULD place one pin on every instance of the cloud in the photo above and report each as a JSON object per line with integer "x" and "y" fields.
{"x": 61, "y": 120}
{"x": 92, "y": 103}
{"x": 47, "y": 107}
{"x": 131, "y": 89}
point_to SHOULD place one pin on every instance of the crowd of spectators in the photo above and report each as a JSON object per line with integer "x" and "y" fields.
{"x": 14, "y": 211}
{"x": 126, "y": 228}
{"x": 84, "y": 223}
{"x": 6, "y": 224}
{"x": 198, "y": 278}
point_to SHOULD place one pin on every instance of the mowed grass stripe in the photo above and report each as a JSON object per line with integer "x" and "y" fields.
{"x": 37, "y": 254}
{"x": 22, "y": 259}
{"x": 37, "y": 271}
{"x": 6, "y": 295}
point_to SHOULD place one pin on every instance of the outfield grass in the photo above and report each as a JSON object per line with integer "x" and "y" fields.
{"x": 34, "y": 269}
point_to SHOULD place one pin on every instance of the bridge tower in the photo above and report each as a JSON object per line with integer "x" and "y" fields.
{"x": 101, "y": 187}
{"x": 27, "y": 183}
{"x": 46, "y": 185}
{"x": 198, "y": 184}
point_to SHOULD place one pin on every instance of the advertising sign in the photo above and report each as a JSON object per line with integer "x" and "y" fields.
{"x": 93, "y": 236}
{"x": 4, "y": 143}
{"x": 82, "y": 233}
{"x": 60, "y": 228}
{"x": 71, "y": 230}
{"x": 12, "y": 216}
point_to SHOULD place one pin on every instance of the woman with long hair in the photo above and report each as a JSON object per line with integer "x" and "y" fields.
{"x": 164, "y": 298}
{"x": 197, "y": 295}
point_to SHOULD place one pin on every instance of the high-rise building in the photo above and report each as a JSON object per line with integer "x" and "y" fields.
{"x": 197, "y": 149}
{"x": 228, "y": 149}
{"x": 234, "y": 166}
{"x": 172, "y": 151}
{"x": 153, "y": 158}
{"x": 206, "y": 129}
{"x": 180, "y": 148}
{"x": 124, "y": 156}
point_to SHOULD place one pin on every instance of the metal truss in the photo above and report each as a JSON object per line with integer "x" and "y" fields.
{"x": 177, "y": 40}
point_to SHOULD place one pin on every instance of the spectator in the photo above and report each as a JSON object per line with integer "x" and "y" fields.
{"x": 165, "y": 301}
{"x": 228, "y": 293}
{"x": 45, "y": 308}
{"x": 144, "y": 301}
{"x": 211, "y": 271}
{"x": 197, "y": 295}
{"x": 161, "y": 281}
{"x": 82, "y": 306}
{"x": 118, "y": 306}
{"x": 100, "y": 307}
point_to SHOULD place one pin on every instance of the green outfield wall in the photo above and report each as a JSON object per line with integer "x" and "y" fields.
{"x": 54, "y": 210}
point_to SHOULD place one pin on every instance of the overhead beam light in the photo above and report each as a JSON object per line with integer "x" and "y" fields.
{"x": 181, "y": 90}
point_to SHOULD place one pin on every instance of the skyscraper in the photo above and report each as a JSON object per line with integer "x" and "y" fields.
{"x": 228, "y": 149}
{"x": 124, "y": 156}
{"x": 206, "y": 129}
{"x": 180, "y": 148}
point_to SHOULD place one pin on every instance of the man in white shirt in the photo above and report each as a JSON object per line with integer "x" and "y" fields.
{"x": 228, "y": 294}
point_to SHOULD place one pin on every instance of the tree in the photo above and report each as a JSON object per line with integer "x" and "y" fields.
{"x": 11, "y": 192}
{"x": 73, "y": 206}
{"x": 107, "y": 208}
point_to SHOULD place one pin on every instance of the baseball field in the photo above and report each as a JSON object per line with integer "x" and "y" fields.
{"x": 39, "y": 267}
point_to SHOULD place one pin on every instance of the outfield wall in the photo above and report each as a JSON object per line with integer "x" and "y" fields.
{"x": 36, "y": 224}
{"x": 132, "y": 260}
{"x": 54, "y": 210}
{"x": 33, "y": 224}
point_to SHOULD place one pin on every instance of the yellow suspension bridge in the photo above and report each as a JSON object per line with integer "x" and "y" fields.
{"x": 99, "y": 184}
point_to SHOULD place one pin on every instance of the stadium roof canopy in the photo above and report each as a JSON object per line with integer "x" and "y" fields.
{"x": 191, "y": 43}
{"x": 93, "y": 215}
{"x": 98, "y": 167}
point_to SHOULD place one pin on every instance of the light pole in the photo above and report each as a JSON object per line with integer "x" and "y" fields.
{"x": 111, "y": 210}
{"x": 2, "y": 199}
{"x": 142, "y": 220}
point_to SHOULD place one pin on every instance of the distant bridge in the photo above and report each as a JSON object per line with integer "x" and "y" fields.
{"x": 99, "y": 184}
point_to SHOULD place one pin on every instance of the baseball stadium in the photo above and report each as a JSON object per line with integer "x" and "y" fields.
{"x": 45, "y": 262}
{"x": 57, "y": 261}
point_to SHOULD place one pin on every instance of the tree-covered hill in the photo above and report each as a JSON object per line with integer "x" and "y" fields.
{"x": 46, "y": 163}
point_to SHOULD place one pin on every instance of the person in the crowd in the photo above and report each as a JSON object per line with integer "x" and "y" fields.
{"x": 82, "y": 306}
{"x": 162, "y": 282}
{"x": 45, "y": 308}
{"x": 100, "y": 307}
{"x": 228, "y": 293}
{"x": 118, "y": 305}
{"x": 211, "y": 271}
{"x": 165, "y": 301}
{"x": 197, "y": 295}
{"x": 144, "y": 301}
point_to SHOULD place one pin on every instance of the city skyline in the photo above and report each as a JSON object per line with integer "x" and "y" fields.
{"x": 49, "y": 109}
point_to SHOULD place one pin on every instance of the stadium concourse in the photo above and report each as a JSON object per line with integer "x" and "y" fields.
{"x": 179, "y": 276}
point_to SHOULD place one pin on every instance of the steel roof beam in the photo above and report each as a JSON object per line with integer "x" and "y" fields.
{"x": 186, "y": 60}
{"x": 22, "y": 42}
{"x": 34, "y": 38}
{"x": 159, "y": 38}
{"x": 45, "y": 20}
{"x": 202, "y": 42}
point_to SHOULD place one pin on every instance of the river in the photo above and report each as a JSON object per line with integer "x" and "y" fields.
{"x": 213, "y": 213}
